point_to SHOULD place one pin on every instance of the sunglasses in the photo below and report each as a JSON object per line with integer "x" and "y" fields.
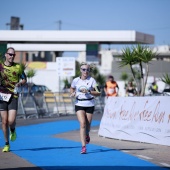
{"x": 11, "y": 54}
{"x": 83, "y": 69}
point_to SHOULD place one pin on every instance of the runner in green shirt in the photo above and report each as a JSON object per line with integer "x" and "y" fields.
{"x": 10, "y": 75}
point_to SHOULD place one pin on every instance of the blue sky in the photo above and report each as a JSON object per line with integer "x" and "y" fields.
{"x": 147, "y": 16}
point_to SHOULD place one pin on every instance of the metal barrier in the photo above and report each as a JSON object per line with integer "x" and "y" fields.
{"x": 69, "y": 103}
{"x": 50, "y": 104}
{"x": 99, "y": 104}
{"x": 58, "y": 103}
{"x": 27, "y": 106}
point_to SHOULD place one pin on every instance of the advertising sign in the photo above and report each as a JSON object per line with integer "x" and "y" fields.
{"x": 65, "y": 66}
{"x": 142, "y": 119}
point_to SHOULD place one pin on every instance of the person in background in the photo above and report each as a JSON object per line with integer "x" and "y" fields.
{"x": 154, "y": 88}
{"x": 84, "y": 88}
{"x": 111, "y": 87}
{"x": 131, "y": 90}
{"x": 10, "y": 75}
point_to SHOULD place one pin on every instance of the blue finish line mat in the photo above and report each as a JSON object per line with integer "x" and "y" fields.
{"x": 37, "y": 145}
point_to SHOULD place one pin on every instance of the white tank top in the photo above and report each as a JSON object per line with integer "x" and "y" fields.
{"x": 78, "y": 84}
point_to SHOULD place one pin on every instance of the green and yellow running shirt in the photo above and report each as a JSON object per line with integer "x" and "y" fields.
{"x": 9, "y": 77}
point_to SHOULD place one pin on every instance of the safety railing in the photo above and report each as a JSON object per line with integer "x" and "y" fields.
{"x": 27, "y": 106}
{"x": 49, "y": 104}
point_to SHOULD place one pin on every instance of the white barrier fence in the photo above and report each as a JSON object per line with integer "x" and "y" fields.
{"x": 143, "y": 119}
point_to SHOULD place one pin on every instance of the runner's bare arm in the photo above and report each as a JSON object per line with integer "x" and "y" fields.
{"x": 72, "y": 92}
{"x": 96, "y": 91}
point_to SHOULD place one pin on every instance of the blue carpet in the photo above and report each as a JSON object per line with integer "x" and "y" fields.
{"x": 37, "y": 145}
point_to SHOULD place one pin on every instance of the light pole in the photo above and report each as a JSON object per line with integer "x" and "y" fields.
{"x": 59, "y": 24}
{"x": 7, "y": 24}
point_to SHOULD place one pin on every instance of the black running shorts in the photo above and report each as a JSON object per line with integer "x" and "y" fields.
{"x": 11, "y": 105}
{"x": 86, "y": 109}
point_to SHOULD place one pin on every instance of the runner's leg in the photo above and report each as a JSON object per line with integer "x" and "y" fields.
{"x": 12, "y": 107}
{"x": 82, "y": 120}
{"x": 12, "y": 118}
{"x": 89, "y": 117}
{"x": 4, "y": 116}
{"x": 12, "y": 123}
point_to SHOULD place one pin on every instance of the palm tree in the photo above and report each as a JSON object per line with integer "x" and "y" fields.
{"x": 166, "y": 79}
{"x": 128, "y": 58}
{"x": 138, "y": 55}
{"x": 30, "y": 74}
{"x": 22, "y": 67}
{"x": 124, "y": 76}
{"x": 145, "y": 58}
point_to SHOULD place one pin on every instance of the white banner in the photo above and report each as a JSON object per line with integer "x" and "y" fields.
{"x": 143, "y": 119}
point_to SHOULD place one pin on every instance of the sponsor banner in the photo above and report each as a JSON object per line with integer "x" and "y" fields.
{"x": 142, "y": 119}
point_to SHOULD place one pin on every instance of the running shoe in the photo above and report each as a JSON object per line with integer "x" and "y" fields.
{"x": 13, "y": 136}
{"x": 83, "y": 150}
{"x": 87, "y": 139}
{"x": 6, "y": 148}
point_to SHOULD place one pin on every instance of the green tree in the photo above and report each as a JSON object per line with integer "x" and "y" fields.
{"x": 128, "y": 59}
{"x": 1, "y": 58}
{"x": 124, "y": 76}
{"x": 30, "y": 74}
{"x": 77, "y": 73}
{"x": 139, "y": 56}
{"x": 66, "y": 83}
{"x": 166, "y": 79}
{"x": 144, "y": 55}
{"x": 100, "y": 79}
{"x": 23, "y": 67}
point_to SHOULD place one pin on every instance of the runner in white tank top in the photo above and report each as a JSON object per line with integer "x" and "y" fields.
{"x": 80, "y": 86}
{"x": 84, "y": 88}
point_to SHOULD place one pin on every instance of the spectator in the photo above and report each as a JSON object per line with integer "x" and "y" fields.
{"x": 154, "y": 88}
{"x": 131, "y": 90}
{"x": 111, "y": 87}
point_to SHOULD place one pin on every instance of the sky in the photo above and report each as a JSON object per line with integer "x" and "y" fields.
{"x": 146, "y": 16}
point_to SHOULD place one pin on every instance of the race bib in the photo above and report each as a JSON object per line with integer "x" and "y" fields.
{"x": 111, "y": 91}
{"x": 5, "y": 97}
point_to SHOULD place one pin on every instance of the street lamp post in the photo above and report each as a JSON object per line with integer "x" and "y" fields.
{"x": 59, "y": 24}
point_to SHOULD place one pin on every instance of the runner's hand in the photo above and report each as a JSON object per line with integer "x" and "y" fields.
{"x": 84, "y": 90}
{"x": 18, "y": 85}
{"x": 73, "y": 94}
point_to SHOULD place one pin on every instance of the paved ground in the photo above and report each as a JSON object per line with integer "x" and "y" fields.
{"x": 156, "y": 154}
